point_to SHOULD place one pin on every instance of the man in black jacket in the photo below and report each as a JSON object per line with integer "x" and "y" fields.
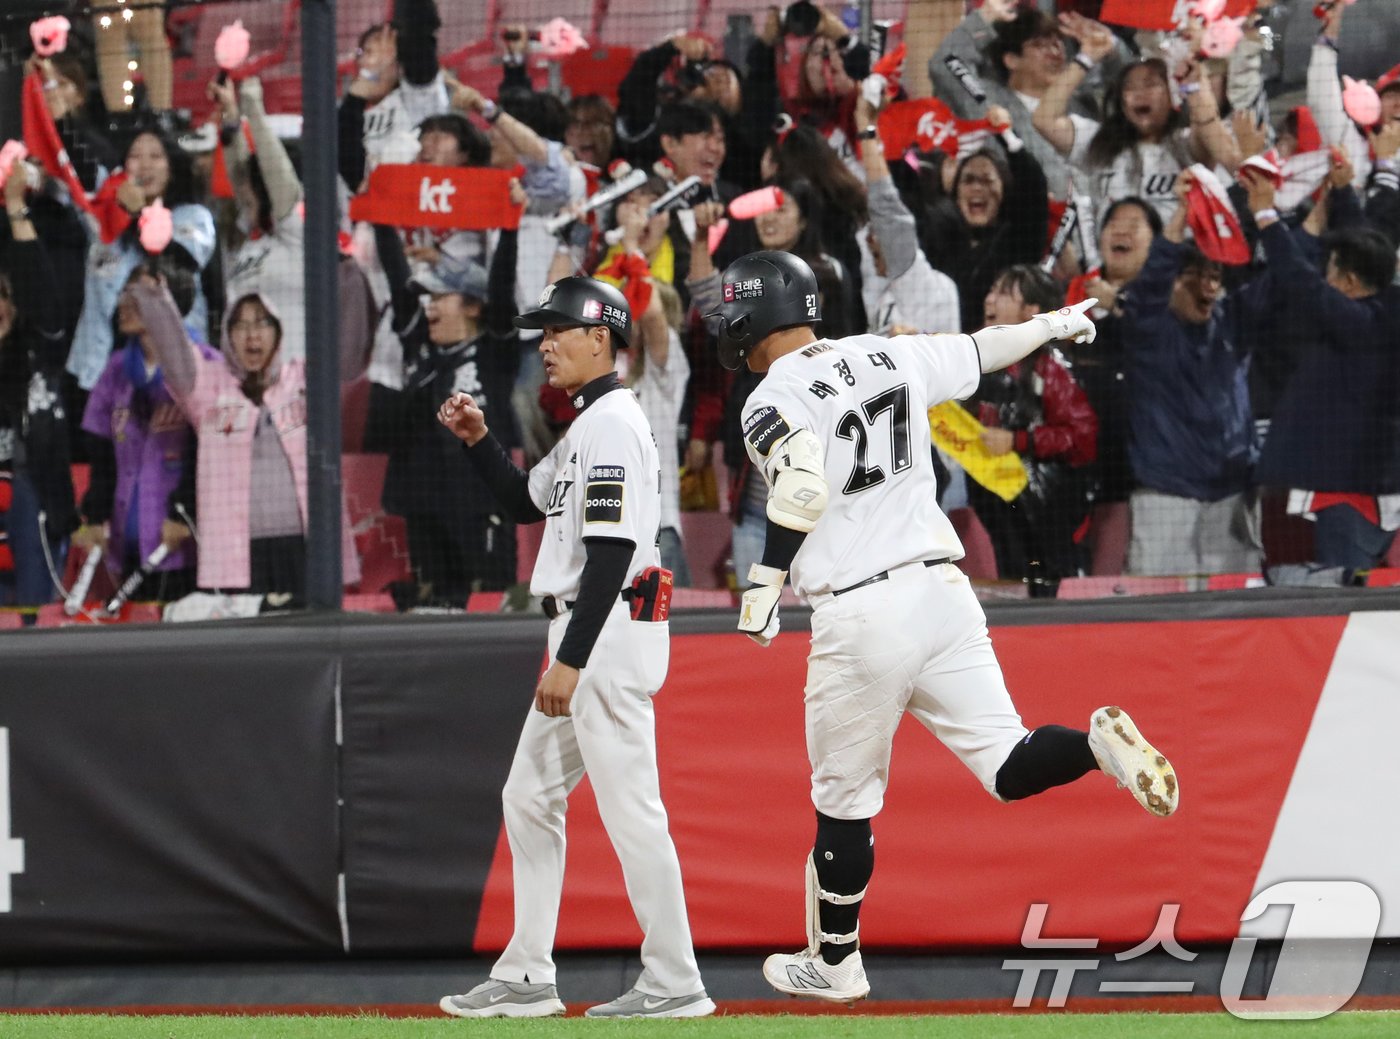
{"x": 1336, "y": 430}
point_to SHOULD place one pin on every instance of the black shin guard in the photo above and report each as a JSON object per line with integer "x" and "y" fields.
{"x": 844, "y": 857}
{"x": 1051, "y": 755}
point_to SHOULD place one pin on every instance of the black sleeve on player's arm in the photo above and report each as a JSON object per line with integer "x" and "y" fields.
{"x": 780, "y": 547}
{"x": 508, "y": 482}
{"x": 603, "y": 573}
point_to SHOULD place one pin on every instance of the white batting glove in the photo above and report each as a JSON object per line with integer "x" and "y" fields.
{"x": 758, "y": 615}
{"x": 1071, "y": 322}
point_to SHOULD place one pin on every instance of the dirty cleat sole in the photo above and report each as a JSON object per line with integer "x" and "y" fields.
{"x": 1122, "y": 752}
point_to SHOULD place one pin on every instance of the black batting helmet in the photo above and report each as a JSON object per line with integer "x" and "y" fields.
{"x": 763, "y": 292}
{"x": 571, "y": 302}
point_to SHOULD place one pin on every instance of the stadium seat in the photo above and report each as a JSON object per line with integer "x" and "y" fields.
{"x": 52, "y": 616}
{"x": 980, "y": 562}
{"x": 534, "y": 13}
{"x": 643, "y": 23}
{"x": 597, "y": 70}
{"x": 1234, "y": 582}
{"x": 1111, "y": 587}
{"x": 1110, "y": 531}
{"x": 716, "y": 16}
{"x": 265, "y": 24}
{"x": 705, "y": 537}
{"x": 380, "y": 539}
{"x": 461, "y": 24}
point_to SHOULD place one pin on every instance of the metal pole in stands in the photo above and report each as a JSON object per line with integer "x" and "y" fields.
{"x": 318, "y": 81}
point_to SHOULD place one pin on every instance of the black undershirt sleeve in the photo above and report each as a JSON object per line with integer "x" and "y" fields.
{"x": 603, "y": 573}
{"x": 508, "y": 482}
{"x": 780, "y": 546}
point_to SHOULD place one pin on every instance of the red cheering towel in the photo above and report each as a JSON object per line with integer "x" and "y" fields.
{"x": 927, "y": 124}
{"x": 1159, "y": 14}
{"x": 444, "y": 197}
{"x": 1212, "y": 220}
{"x": 42, "y": 139}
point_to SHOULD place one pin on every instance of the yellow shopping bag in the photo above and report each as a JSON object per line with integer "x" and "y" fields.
{"x": 957, "y": 434}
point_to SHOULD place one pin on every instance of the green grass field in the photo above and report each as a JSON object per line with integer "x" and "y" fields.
{"x": 831, "y": 1026}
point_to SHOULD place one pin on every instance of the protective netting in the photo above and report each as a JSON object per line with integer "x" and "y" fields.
{"x": 1220, "y": 176}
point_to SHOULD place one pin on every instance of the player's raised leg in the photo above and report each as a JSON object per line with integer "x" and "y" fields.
{"x": 962, "y": 698}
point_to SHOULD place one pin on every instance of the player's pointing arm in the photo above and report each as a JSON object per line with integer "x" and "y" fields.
{"x": 1001, "y": 346}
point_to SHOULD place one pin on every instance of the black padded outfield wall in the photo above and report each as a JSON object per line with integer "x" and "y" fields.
{"x": 183, "y": 791}
{"x": 172, "y": 799}
{"x": 323, "y": 787}
{"x": 432, "y": 714}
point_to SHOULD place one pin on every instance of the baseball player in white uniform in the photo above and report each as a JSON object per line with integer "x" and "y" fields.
{"x": 609, "y": 646}
{"x": 838, "y": 429}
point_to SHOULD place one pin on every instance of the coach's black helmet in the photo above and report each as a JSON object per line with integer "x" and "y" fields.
{"x": 571, "y": 302}
{"x": 763, "y": 292}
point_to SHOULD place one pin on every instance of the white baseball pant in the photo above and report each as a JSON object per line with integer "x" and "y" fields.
{"x": 916, "y": 642}
{"x": 611, "y": 735}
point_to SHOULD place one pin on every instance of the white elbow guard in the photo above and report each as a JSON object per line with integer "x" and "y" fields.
{"x": 791, "y": 461}
{"x": 798, "y": 478}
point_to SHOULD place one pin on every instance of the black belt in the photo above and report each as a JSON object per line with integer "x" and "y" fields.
{"x": 554, "y": 607}
{"x": 884, "y": 575}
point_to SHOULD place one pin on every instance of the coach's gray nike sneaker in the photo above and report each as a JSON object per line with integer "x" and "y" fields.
{"x": 494, "y": 998}
{"x": 637, "y": 1003}
{"x": 1122, "y": 752}
{"x": 806, "y": 974}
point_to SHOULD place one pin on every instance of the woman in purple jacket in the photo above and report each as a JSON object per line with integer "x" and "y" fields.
{"x": 141, "y": 492}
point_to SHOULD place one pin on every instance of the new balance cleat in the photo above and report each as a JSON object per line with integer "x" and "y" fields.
{"x": 637, "y": 1003}
{"x": 806, "y": 974}
{"x": 1122, "y": 752}
{"x": 494, "y": 998}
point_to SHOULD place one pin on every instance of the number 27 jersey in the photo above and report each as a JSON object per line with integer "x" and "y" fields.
{"x": 866, "y": 398}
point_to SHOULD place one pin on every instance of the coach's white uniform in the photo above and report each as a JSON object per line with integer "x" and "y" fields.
{"x": 599, "y": 481}
{"x": 916, "y": 639}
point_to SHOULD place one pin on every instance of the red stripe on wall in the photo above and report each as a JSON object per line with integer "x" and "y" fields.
{"x": 1229, "y": 701}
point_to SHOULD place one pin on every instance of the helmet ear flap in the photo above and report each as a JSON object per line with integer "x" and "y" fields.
{"x": 732, "y": 347}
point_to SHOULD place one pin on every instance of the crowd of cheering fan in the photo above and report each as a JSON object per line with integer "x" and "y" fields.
{"x": 1246, "y": 370}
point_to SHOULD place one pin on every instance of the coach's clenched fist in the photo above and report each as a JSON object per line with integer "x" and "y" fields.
{"x": 460, "y": 414}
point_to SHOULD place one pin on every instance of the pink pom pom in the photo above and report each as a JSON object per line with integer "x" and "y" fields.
{"x": 156, "y": 228}
{"x": 13, "y": 152}
{"x": 559, "y": 39}
{"x": 1361, "y": 101}
{"x": 231, "y": 46}
{"x": 1221, "y": 37}
{"x": 1209, "y": 10}
{"x": 50, "y": 35}
{"x": 756, "y": 203}
{"x": 716, "y": 235}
